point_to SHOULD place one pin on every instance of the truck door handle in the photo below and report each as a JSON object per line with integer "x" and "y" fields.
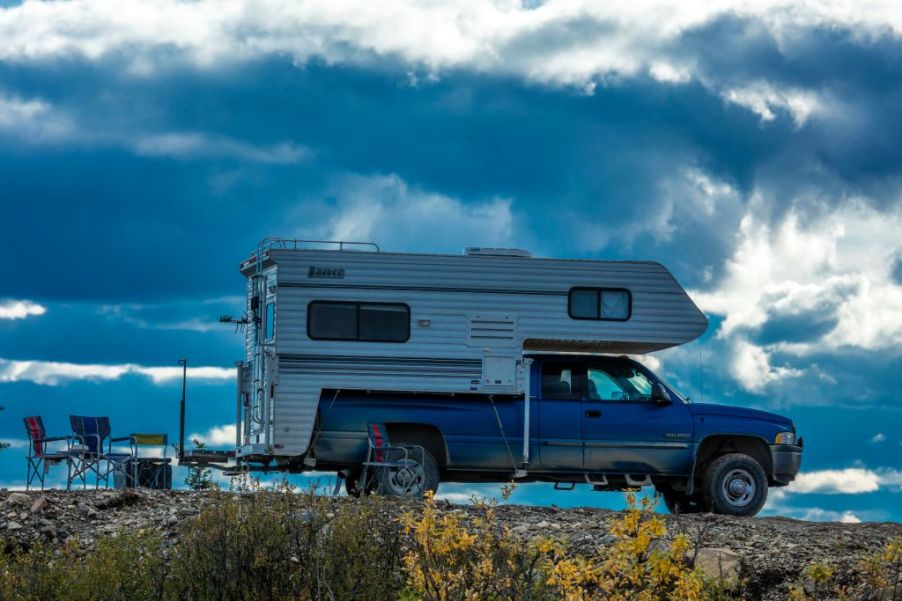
{"x": 593, "y": 413}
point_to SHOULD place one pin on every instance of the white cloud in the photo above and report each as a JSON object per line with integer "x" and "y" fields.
{"x": 849, "y": 518}
{"x": 20, "y": 309}
{"x": 54, "y": 373}
{"x": 32, "y": 118}
{"x": 36, "y": 121}
{"x": 878, "y": 438}
{"x": 690, "y": 198}
{"x": 216, "y": 436}
{"x": 831, "y": 264}
{"x": 575, "y": 43}
{"x": 386, "y": 210}
{"x": 853, "y": 480}
{"x": 751, "y": 367}
{"x": 763, "y": 99}
{"x": 196, "y": 145}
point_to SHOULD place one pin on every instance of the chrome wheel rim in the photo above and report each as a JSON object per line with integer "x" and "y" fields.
{"x": 406, "y": 480}
{"x": 739, "y": 487}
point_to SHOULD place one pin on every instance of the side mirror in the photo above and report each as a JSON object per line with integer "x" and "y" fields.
{"x": 659, "y": 394}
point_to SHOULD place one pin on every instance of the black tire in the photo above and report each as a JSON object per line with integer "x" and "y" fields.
{"x": 679, "y": 502}
{"x": 412, "y": 481}
{"x": 352, "y": 485}
{"x": 735, "y": 484}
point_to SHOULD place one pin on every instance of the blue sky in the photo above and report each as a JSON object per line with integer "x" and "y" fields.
{"x": 751, "y": 147}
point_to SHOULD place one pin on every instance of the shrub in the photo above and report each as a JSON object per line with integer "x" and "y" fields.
{"x": 281, "y": 545}
{"x": 127, "y": 566}
{"x": 450, "y": 560}
{"x": 879, "y": 574}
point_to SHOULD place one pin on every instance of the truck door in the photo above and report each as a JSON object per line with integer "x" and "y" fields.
{"x": 624, "y": 430}
{"x": 560, "y": 431}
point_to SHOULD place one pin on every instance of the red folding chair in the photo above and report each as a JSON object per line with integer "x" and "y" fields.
{"x": 39, "y": 459}
{"x": 392, "y": 468}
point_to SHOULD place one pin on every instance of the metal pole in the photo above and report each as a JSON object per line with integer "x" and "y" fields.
{"x": 527, "y": 393}
{"x": 238, "y": 405}
{"x": 184, "y": 364}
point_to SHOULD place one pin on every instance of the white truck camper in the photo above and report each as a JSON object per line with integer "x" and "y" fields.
{"x": 342, "y": 316}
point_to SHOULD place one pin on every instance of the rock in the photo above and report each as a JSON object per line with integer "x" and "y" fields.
{"x": 885, "y": 594}
{"x": 172, "y": 520}
{"x": 720, "y": 564}
{"x": 658, "y": 545}
{"x": 49, "y": 532}
{"x": 18, "y": 498}
{"x": 13, "y": 526}
{"x": 607, "y": 539}
{"x": 39, "y": 504}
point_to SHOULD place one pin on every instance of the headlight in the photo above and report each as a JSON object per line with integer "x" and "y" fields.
{"x": 786, "y": 438}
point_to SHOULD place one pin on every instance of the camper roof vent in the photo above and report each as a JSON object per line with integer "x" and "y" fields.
{"x": 497, "y": 252}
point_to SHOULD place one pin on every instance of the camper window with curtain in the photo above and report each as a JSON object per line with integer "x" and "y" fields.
{"x": 360, "y": 322}
{"x": 604, "y": 304}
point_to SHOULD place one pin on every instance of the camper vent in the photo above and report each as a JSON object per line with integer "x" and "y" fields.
{"x": 496, "y": 252}
{"x": 491, "y": 330}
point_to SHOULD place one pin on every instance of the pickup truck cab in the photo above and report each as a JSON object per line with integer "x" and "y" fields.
{"x": 603, "y": 420}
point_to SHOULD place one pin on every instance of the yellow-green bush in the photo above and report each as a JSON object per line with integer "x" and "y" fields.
{"x": 127, "y": 566}
{"x": 879, "y": 575}
{"x": 450, "y": 560}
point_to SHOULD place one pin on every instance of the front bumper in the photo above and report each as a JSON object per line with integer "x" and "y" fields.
{"x": 786, "y": 460}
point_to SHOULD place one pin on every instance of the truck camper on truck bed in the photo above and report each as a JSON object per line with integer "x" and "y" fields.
{"x": 487, "y": 366}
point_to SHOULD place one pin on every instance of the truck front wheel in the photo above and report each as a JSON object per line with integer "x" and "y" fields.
{"x": 417, "y": 474}
{"x": 735, "y": 484}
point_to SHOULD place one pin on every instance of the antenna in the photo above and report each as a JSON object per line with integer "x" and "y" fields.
{"x": 701, "y": 375}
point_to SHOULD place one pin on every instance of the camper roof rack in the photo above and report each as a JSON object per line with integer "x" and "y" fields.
{"x": 272, "y": 242}
{"x": 275, "y": 243}
{"x": 496, "y": 252}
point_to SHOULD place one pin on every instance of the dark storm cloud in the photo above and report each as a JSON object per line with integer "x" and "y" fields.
{"x": 897, "y": 270}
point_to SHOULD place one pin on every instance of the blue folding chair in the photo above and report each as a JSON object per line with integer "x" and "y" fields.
{"x": 87, "y": 454}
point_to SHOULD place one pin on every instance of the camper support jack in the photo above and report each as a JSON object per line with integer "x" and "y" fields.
{"x": 527, "y": 394}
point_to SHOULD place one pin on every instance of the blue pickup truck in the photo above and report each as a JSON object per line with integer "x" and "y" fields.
{"x": 606, "y": 421}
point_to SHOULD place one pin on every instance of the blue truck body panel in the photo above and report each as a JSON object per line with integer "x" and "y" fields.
{"x": 571, "y": 439}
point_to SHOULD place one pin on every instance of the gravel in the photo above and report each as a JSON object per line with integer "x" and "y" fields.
{"x": 767, "y": 554}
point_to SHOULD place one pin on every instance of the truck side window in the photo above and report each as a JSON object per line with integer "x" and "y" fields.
{"x": 559, "y": 381}
{"x": 617, "y": 383}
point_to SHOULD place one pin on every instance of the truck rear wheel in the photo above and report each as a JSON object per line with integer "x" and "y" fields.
{"x": 418, "y": 474}
{"x": 735, "y": 484}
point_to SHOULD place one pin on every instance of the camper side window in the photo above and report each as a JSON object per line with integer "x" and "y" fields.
{"x": 605, "y": 304}
{"x": 270, "y": 320}
{"x": 361, "y": 322}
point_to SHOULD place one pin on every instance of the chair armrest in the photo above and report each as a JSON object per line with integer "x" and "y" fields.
{"x": 120, "y": 439}
{"x": 52, "y": 438}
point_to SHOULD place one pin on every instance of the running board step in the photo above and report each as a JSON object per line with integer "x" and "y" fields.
{"x": 633, "y": 483}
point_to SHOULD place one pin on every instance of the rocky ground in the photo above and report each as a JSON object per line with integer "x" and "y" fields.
{"x": 768, "y": 553}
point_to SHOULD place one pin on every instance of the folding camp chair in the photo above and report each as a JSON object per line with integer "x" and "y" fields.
{"x": 39, "y": 459}
{"x": 87, "y": 454}
{"x": 392, "y": 465}
{"x": 152, "y": 472}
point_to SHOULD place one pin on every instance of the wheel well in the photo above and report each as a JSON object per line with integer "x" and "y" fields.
{"x": 429, "y": 437}
{"x": 713, "y": 447}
